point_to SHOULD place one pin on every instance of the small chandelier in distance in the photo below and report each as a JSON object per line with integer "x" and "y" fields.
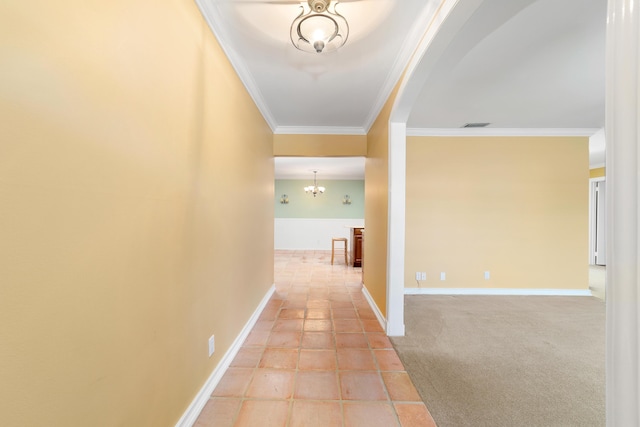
{"x": 314, "y": 189}
{"x": 319, "y": 28}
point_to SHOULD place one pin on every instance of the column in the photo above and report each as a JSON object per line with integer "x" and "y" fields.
{"x": 396, "y": 228}
{"x": 623, "y": 176}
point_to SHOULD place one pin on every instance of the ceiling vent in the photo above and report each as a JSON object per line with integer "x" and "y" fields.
{"x": 476, "y": 125}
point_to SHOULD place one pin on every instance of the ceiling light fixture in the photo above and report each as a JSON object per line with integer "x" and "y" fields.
{"x": 314, "y": 189}
{"x": 319, "y": 28}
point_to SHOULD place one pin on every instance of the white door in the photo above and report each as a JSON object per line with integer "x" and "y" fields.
{"x": 600, "y": 238}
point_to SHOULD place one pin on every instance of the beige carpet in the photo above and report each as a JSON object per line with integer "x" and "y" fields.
{"x": 507, "y": 361}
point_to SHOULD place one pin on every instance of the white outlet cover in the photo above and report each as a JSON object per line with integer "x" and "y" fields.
{"x": 443, "y": 275}
{"x": 417, "y": 275}
{"x": 423, "y": 276}
{"x": 212, "y": 345}
{"x": 487, "y": 275}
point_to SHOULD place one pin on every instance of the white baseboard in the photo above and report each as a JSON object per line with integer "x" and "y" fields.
{"x": 374, "y": 307}
{"x": 193, "y": 411}
{"x": 498, "y": 291}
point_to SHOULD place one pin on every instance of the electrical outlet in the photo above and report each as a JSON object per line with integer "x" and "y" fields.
{"x": 212, "y": 345}
{"x": 423, "y": 276}
{"x": 443, "y": 275}
{"x": 418, "y": 275}
{"x": 487, "y": 275}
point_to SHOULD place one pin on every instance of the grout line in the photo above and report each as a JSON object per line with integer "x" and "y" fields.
{"x": 297, "y": 290}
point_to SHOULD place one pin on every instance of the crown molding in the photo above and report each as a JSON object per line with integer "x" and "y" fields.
{"x": 214, "y": 20}
{"x": 319, "y": 130}
{"x": 501, "y": 131}
{"x": 409, "y": 46}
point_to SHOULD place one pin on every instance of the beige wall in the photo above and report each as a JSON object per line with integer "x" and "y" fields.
{"x": 319, "y": 145}
{"x": 133, "y": 198}
{"x": 517, "y": 207}
{"x": 376, "y": 201}
{"x": 597, "y": 173}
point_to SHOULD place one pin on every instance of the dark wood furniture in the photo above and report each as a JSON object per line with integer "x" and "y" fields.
{"x": 356, "y": 246}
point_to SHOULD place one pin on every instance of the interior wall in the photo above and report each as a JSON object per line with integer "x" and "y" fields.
{"x": 514, "y": 206}
{"x": 376, "y": 208}
{"x": 309, "y": 223}
{"x": 597, "y": 173}
{"x": 312, "y": 234}
{"x": 136, "y": 180}
{"x": 327, "y": 205}
{"x": 317, "y": 145}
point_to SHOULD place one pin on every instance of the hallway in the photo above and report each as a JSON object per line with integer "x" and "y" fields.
{"x": 316, "y": 357}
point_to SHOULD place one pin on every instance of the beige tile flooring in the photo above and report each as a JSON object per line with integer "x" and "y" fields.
{"x": 316, "y": 357}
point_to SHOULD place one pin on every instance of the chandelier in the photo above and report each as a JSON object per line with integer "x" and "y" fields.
{"x": 319, "y": 28}
{"x": 314, "y": 189}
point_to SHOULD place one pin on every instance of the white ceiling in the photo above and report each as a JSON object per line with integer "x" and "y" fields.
{"x": 327, "y": 167}
{"x": 521, "y": 64}
{"x": 341, "y": 89}
{"x": 526, "y": 64}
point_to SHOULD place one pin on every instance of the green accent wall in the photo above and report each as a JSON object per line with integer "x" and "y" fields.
{"x": 326, "y": 205}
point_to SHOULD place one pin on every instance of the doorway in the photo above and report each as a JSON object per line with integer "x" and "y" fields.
{"x": 305, "y": 220}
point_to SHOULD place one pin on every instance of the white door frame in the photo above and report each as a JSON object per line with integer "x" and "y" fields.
{"x": 592, "y": 218}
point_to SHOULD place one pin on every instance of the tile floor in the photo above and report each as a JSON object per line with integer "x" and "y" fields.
{"x": 316, "y": 357}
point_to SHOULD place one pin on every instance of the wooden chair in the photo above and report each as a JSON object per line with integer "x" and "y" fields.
{"x": 333, "y": 247}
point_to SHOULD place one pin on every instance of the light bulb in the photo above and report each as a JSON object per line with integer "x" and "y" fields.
{"x": 318, "y": 34}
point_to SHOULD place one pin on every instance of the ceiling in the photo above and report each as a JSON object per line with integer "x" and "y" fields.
{"x": 327, "y": 167}
{"x": 521, "y": 64}
{"x": 516, "y": 64}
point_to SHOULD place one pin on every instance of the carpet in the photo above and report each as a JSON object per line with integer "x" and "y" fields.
{"x": 507, "y": 360}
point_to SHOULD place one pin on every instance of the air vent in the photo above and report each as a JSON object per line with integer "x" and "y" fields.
{"x": 476, "y": 125}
